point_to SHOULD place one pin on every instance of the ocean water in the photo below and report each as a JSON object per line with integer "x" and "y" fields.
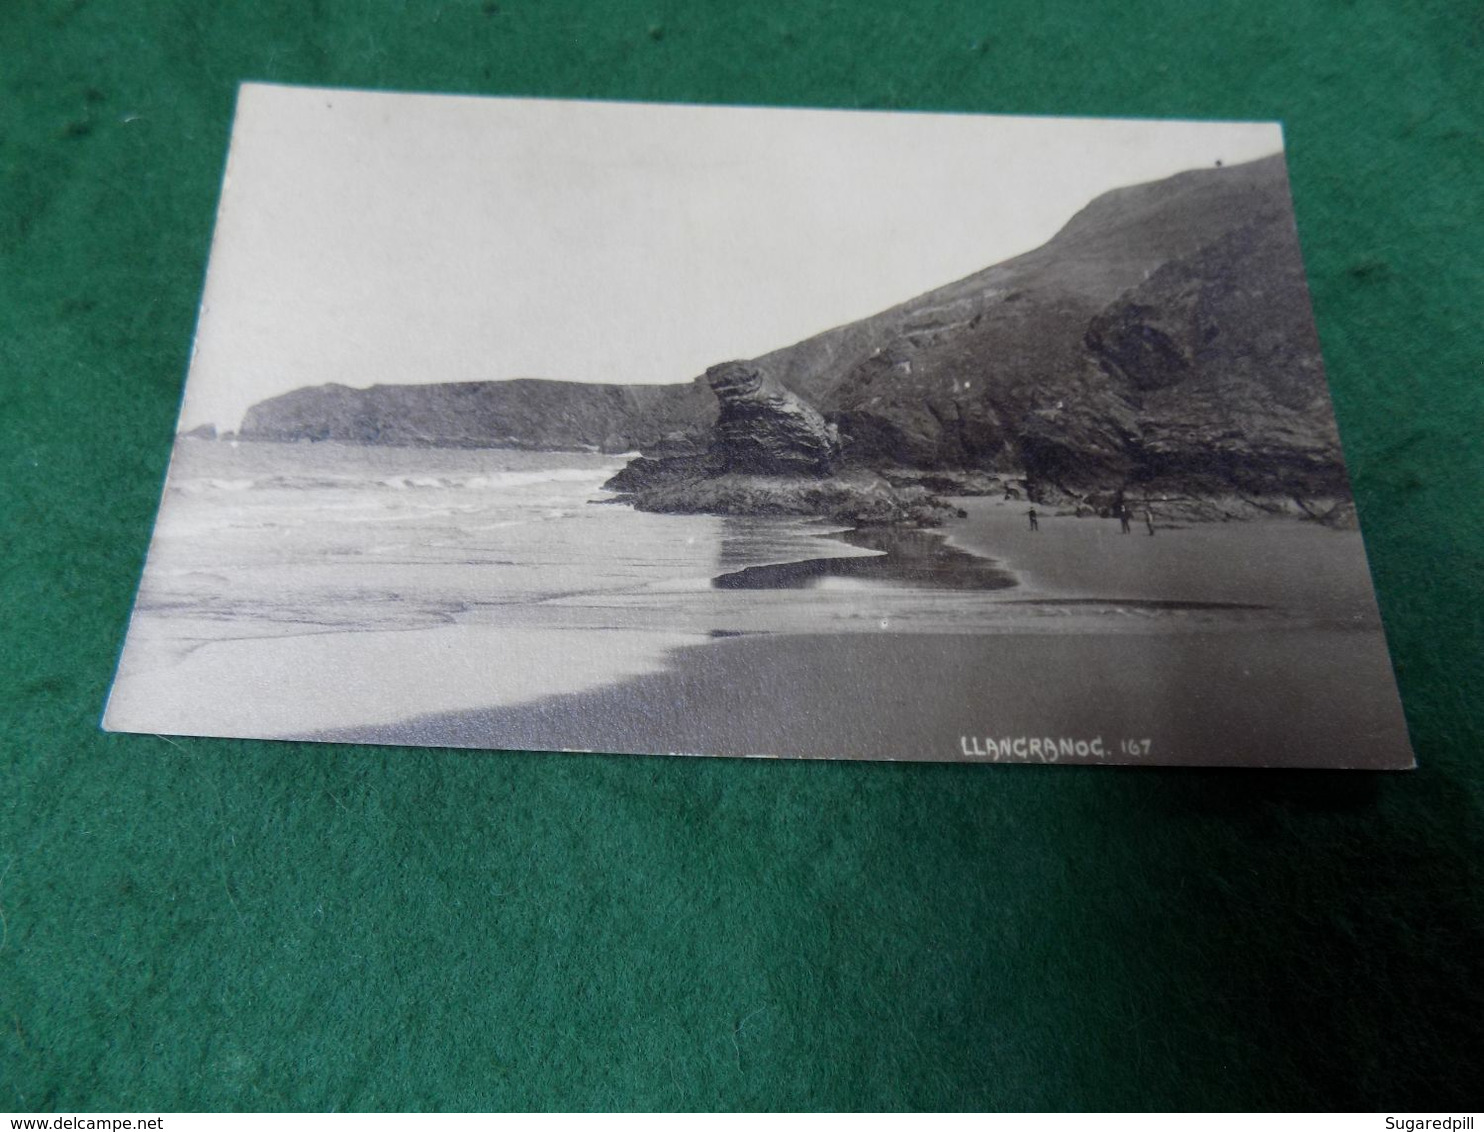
{"x": 294, "y": 538}
{"x": 276, "y": 539}
{"x": 296, "y": 588}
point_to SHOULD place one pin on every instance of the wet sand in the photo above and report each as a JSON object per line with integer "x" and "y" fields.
{"x": 1302, "y": 567}
{"x": 292, "y": 685}
{"x": 1130, "y": 674}
{"x": 479, "y": 599}
{"x": 925, "y": 559}
{"x": 1198, "y": 699}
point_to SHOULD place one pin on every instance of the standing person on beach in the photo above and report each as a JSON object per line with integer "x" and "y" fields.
{"x": 1149, "y": 519}
{"x": 1035, "y": 526}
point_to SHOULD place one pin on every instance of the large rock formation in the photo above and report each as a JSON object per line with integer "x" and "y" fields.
{"x": 1163, "y": 337}
{"x": 1160, "y": 344}
{"x": 1217, "y": 355}
{"x": 763, "y": 429}
{"x": 770, "y": 453}
{"x": 856, "y": 496}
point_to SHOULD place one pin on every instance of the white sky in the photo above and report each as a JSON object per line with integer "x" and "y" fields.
{"x": 371, "y": 238}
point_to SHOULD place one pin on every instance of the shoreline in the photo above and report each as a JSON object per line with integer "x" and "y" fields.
{"x": 1173, "y": 661}
{"x": 542, "y": 622}
{"x": 1281, "y": 563}
{"x": 1223, "y": 699}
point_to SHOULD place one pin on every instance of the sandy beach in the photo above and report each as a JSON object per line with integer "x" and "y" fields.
{"x": 492, "y": 599}
{"x": 1196, "y": 699}
{"x": 1252, "y": 644}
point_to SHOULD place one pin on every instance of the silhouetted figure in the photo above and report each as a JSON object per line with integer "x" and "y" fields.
{"x": 1031, "y": 515}
{"x": 1124, "y": 515}
{"x": 1149, "y": 521}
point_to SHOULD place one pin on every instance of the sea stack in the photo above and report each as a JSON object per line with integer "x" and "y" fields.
{"x": 764, "y": 430}
{"x": 769, "y": 453}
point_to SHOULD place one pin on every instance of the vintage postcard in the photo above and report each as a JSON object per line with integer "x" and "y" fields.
{"x": 523, "y": 424}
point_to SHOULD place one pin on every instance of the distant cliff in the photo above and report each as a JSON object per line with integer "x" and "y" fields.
{"x": 526, "y": 413}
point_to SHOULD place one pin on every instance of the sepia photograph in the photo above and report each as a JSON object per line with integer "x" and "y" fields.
{"x": 683, "y": 430}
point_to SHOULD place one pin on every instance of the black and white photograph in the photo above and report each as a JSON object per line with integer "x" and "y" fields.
{"x": 524, "y": 424}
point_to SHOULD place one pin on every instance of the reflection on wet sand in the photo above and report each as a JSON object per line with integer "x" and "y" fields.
{"x": 901, "y": 557}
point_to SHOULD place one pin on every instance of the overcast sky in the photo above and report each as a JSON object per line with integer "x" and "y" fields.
{"x": 371, "y": 238}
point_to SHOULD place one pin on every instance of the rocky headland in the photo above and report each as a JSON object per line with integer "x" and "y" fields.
{"x": 526, "y": 413}
{"x": 1158, "y": 350}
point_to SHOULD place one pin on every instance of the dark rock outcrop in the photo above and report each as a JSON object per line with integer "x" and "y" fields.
{"x": 1160, "y": 345}
{"x": 1162, "y": 337}
{"x": 1218, "y": 356}
{"x": 1161, "y": 341}
{"x": 763, "y": 429}
{"x": 770, "y": 453}
{"x": 858, "y": 497}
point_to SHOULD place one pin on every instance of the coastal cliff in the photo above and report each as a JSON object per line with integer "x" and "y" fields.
{"x": 1159, "y": 347}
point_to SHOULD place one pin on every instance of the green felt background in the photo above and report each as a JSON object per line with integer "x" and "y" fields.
{"x": 213, "y": 924}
